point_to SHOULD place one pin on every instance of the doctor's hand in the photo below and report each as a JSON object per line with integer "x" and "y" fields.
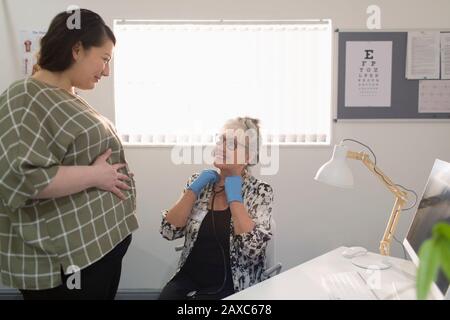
{"x": 205, "y": 177}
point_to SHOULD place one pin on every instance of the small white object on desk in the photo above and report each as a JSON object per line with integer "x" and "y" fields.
{"x": 353, "y": 252}
{"x": 305, "y": 282}
{"x": 366, "y": 260}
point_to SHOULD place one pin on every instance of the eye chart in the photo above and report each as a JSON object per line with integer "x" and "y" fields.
{"x": 368, "y": 74}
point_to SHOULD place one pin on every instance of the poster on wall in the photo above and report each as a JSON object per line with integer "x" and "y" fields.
{"x": 368, "y": 74}
{"x": 29, "y": 48}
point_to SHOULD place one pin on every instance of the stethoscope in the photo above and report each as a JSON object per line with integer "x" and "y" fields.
{"x": 193, "y": 294}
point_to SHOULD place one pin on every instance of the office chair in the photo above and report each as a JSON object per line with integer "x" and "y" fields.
{"x": 272, "y": 267}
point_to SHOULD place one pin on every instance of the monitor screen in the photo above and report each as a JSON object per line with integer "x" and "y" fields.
{"x": 434, "y": 207}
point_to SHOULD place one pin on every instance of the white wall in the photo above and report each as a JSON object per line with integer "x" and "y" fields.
{"x": 311, "y": 218}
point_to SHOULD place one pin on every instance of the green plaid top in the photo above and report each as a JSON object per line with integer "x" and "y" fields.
{"x": 42, "y": 127}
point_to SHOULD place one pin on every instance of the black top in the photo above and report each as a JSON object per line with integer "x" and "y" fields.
{"x": 206, "y": 263}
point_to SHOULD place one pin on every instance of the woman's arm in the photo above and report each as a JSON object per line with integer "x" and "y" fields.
{"x": 73, "y": 179}
{"x": 241, "y": 219}
{"x": 179, "y": 213}
{"x": 68, "y": 180}
{"x": 253, "y": 236}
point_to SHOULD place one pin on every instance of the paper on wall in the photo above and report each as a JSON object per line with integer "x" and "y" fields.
{"x": 29, "y": 47}
{"x": 445, "y": 55}
{"x": 434, "y": 96}
{"x": 422, "y": 55}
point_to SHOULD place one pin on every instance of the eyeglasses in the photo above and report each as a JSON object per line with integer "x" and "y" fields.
{"x": 230, "y": 142}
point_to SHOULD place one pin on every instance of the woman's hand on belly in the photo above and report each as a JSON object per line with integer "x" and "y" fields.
{"x": 107, "y": 176}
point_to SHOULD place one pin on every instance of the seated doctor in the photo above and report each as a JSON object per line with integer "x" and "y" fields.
{"x": 224, "y": 218}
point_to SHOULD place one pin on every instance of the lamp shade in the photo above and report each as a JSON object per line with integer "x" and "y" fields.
{"x": 336, "y": 171}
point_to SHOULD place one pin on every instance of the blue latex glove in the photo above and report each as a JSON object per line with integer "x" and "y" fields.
{"x": 205, "y": 177}
{"x": 233, "y": 189}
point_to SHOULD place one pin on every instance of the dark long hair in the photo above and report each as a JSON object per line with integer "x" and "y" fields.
{"x": 56, "y": 46}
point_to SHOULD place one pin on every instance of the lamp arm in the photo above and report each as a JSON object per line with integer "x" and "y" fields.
{"x": 400, "y": 199}
{"x": 385, "y": 243}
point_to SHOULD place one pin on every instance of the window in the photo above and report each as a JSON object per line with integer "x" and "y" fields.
{"x": 178, "y": 82}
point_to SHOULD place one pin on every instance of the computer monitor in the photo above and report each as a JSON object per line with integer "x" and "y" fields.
{"x": 434, "y": 207}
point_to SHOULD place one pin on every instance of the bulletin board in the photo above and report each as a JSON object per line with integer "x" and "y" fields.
{"x": 404, "y": 93}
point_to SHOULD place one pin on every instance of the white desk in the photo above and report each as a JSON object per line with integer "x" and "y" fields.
{"x": 304, "y": 281}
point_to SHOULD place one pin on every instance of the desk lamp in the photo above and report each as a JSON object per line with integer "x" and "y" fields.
{"x": 337, "y": 173}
